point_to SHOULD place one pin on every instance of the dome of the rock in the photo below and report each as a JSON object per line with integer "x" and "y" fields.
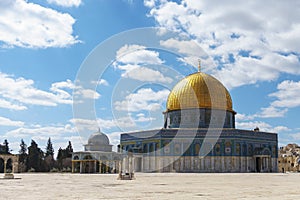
{"x": 199, "y": 90}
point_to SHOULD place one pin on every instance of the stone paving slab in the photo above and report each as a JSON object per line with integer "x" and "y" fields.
{"x": 152, "y": 186}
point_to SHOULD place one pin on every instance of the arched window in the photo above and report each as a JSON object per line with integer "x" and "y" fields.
{"x": 177, "y": 148}
{"x": 1, "y": 165}
{"x": 145, "y": 148}
{"x": 217, "y": 149}
{"x": 75, "y": 158}
{"x": 274, "y": 151}
{"x": 197, "y": 149}
{"x": 228, "y": 147}
{"x": 238, "y": 149}
{"x": 244, "y": 149}
{"x": 207, "y": 149}
{"x": 151, "y": 148}
{"x": 9, "y": 165}
{"x": 250, "y": 150}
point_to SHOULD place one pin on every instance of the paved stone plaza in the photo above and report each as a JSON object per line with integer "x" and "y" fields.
{"x": 152, "y": 186}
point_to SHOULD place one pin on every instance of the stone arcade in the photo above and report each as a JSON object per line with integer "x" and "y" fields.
{"x": 199, "y": 135}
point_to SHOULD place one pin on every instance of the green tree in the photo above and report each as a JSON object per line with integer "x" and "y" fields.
{"x": 69, "y": 150}
{"x": 59, "y": 158}
{"x": 64, "y": 156}
{"x": 49, "y": 148}
{"x": 49, "y": 156}
{"x": 22, "y": 151}
{"x": 35, "y": 157}
{"x": 6, "y": 147}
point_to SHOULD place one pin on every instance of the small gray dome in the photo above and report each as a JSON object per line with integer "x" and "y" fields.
{"x": 98, "y": 138}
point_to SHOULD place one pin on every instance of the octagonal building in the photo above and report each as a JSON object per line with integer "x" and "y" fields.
{"x": 199, "y": 134}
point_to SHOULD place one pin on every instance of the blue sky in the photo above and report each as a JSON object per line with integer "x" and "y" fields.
{"x": 253, "y": 48}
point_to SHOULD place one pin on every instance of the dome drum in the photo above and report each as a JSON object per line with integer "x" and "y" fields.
{"x": 199, "y": 118}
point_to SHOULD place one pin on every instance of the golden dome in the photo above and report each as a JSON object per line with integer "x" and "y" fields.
{"x": 197, "y": 91}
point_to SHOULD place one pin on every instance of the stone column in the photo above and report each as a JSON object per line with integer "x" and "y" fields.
{"x": 100, "y": 166}
{"x": 212, "y": 163}
{"x": 95, "y": 166}
{"x": 126, "y": 165}
{"x": 120, "y": 169}
{"x": 181, "y": 168}
{"x": 73, "y": 166}
{"x": 16, "y": 166}
{"x": 133, "y": 164}
{"x": 130, "y": 165}
{"x": 201, "y": 164}
{"x": 270, "y": 164}
{"x": 115, "y": 166}
{"x": 142, "y": 164}
{"x": 160, "y": 164}
{"x": 223, "y": 165}
{"x": 106, "y": 167}
{"x": 5, "y": 162}
{"x": 80, "y": 170}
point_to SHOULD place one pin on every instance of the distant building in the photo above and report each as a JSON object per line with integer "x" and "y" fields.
{"x": 97, "y": 156}
{"x": 199, "y": 135}
{"x": 289, "y": 158}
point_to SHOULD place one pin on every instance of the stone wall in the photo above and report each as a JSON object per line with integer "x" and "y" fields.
{"x": 210, "y": 164}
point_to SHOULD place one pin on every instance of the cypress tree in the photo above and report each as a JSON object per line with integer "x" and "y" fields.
{"x": 49, "y": 148}
{"x": 6, "y": 147}
{"x": 69, "y": 150}
{"x": 23, "y": 151}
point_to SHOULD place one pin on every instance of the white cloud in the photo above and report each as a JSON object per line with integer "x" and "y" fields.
{"x": 288, "y": 94}
{"x": 143, "y": 99}
{"x": 104, "y": 124}
{"x": 263, "y": 126}
{"x": 79, "y": 90}
{"x": 66, "y": 3}
{"x": 149, "y": 3}
{"x": 8, "y": 122}
{"x": 102, "y": 82}
{"x": 122, "y": 122}
{"x": 143, "y": 74}
{"x": 136, "y": 61}
{"x": 87, "y": 93}
{"x": 15, "y": 92}
{"x": 272, "y": 112}
{"x": 142, "y": 118}
{"x": 59, "y": 86}
{"x": 191, "y": 50}
{"x": 85, "y": 124}
{"x": 42, "y": 131}
{"x": 9, "y": 105}
{"x": 249, "y": 42}
{"x": 243, "y": 117}
{"x": 135, "y": 54}
{"x": 30, "y": 25}
{"x": 23, "y": 91}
